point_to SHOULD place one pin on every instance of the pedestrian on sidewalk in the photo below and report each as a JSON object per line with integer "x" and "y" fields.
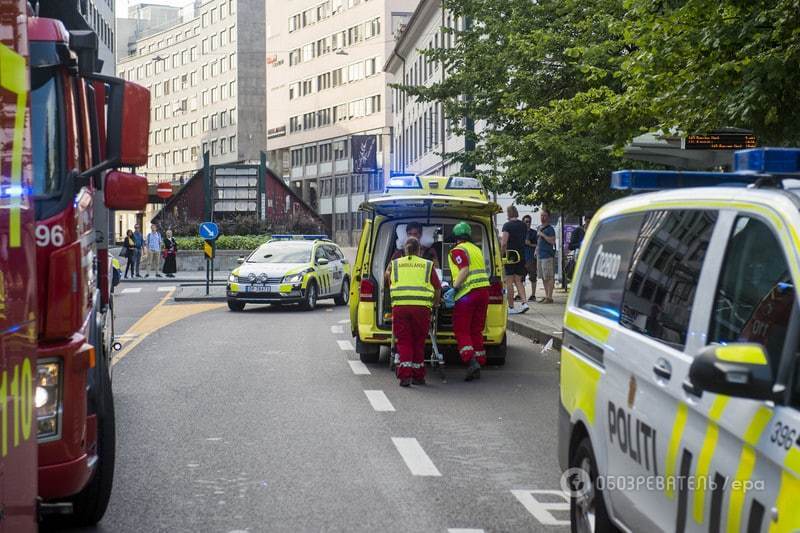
{"x": 153, "y": 249}
{"x": 470, "y": 291}
{"x": 139, "y": 241}
{"x": 545, "y": 256}
{"x": 129, "y": 253}
{"x": 530, "y": 254}
{"x": 170, "y": 254}
{"x": 513, "y": 238}
{"x": 415, "y": 288}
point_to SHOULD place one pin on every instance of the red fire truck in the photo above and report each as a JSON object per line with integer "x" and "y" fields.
{"x": 56, "y": 200}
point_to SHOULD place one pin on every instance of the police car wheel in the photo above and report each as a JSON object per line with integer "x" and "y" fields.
{"x": 310, "y": 301}
{"x": 343, "y": 296}
{"x": 587, "y": 508}
{"x": 233, "y": 305}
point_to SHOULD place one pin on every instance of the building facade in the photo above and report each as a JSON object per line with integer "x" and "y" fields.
{"x": 325, "y": 84}
{"x": 206, "y": 77}
{"x": 100, "y": 15}
{"x": 421, "y": 133}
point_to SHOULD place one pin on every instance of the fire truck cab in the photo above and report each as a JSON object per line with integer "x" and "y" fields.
{"x": 76, "y": 120}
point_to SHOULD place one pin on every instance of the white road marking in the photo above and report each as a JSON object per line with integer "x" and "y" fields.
{"x": 379, "y": 400}
{"x": 132, "y": 290}
{"x": 359, "y": 368}
{"x": 415, "y": 457}
{"x": 337, "y": 329}
{"x": 345, "y": 345}
{"x": 166, "y": 288}
{"x": 463, "y": 530}
{"x": 541, "y": 510}
{"x": 345, "y": 321}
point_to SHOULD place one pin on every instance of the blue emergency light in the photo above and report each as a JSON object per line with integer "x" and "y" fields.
{"x": 299, "y": 237}
{"x": 749, "y": 166}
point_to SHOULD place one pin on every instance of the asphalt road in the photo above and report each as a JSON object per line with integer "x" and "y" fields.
{"x": 265, "y": 421}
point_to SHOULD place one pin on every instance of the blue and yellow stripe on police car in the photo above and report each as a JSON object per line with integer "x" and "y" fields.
{"x": 787, "y": 507}
{"x": 747, "y": 465}
{"x": 13, "y": 78}
{"x": 706, "y": 454}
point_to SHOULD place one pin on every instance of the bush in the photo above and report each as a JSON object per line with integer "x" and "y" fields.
{"x": 225, "y": 242}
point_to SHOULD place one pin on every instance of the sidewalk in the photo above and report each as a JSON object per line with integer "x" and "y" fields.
{"x": 544, "y": 321}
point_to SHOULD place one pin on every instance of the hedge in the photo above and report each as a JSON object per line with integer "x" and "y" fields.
{"x": 225, "y": 242}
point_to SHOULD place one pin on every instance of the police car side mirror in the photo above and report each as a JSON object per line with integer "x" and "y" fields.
{"x": 741, "y": 370}
{"x": 511, "y": 258}
{"x": 322, "y": 261}
{"x": 240, "y": 260}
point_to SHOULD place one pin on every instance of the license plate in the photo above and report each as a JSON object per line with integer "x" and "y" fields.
{"x": 261, "y": 288}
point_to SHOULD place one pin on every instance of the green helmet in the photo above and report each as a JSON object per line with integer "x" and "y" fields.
{"x": 462, "y": 229}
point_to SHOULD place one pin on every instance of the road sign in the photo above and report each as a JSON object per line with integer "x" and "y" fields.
{"x": 208, "y": 248}
{"x": 164, "y": 190}
{"x": 209, "y": 231}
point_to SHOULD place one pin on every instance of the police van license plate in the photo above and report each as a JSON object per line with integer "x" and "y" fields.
{"x": 262, "y": 288}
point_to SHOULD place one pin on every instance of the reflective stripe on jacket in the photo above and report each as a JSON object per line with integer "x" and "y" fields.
{"x": 410, "y": 283}
{"x": 477, "y": 276}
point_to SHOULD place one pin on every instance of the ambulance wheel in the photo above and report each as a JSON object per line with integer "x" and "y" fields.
{"x": 496, "y": 355}
{"x": 343, "y": 296}
{"x": 587, "y": 508}
{"x": 368, "y": 353}
{"x": 90, "y": 504}
{"x": 233, "y": 305}
{"x": 310, "y": 301}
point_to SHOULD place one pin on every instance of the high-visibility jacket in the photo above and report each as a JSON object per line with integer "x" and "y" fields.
{"x": 477, "y": 276}
{"x": 410, "y": 283}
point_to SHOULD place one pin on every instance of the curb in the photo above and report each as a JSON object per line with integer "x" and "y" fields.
{"x": 537, "y": 333}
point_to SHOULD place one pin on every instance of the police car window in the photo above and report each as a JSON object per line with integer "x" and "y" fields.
{"x": 602, "y": 279}
{"x": 665, "y": 268}
{"x": 320, "y": 253}
{"x": 755, "y": 293}
{"x": 330, "y": 252}
{"x": 282, "y": 252}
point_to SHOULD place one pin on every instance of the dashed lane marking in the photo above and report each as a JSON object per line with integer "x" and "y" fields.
{"x": 379, "y": 400}
{"x": 166, "y": 288}
{"x": 337, "y": 329}
{"x": 463, "y": 530}
{"x": 359, "y": 368}
{"x": 415, "y": 457}
{"x": 132, "y": 290}
{"x": 541, "y": 511}
{"x": 345, "y": 345}
{"x": 157, "y": 318}
{"x": 345, "y": 321}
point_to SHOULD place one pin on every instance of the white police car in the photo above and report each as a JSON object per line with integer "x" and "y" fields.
{"x": 680, "y": 377}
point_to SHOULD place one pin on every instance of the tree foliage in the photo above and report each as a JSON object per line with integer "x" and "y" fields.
{"x": 562, "y": 85}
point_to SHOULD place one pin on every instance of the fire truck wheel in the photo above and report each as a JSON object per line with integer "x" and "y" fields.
{"x": 496, "y": 355}
{"x": 343, "y": 296}
{"x": 235, "y": 306}
{"x": 90, "y": 504}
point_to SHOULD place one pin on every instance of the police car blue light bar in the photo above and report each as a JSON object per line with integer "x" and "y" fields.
{"x": 298, "y": 237}
{"x": 776, "y": 161}
{"x": 654, "y": 180}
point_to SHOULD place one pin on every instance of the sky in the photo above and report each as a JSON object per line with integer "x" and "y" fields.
{"x": 122, "y": 5}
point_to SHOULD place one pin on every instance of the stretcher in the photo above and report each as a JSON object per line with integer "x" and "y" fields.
{"x": 436, "y": 357}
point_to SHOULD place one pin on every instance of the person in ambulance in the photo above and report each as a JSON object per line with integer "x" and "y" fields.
{"x": 470, "y": 292}
{"x": 415, "y": 288}
{"x": 415, "y": 230}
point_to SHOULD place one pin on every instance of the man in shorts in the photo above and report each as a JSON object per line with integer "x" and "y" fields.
{"x": 545, "y": 256}
{"x": 513, "y": 238}
{"x": 530, "y": 254}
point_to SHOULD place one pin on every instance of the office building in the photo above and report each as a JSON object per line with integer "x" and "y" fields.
{"x": 325, "y": 84}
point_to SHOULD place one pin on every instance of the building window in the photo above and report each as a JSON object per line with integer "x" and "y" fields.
{"x": 341, "y": 150}
{"x": 325, "y": 153}
{"x": 311, "y": 155}
{"x": 297, "y": 157}
{"x": 294, "y": 124}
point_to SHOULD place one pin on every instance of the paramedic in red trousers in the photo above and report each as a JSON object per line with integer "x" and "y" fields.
{"x": 470, "y": 291}
{"x": 415, "y": 289}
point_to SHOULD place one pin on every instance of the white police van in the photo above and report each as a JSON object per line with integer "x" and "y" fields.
{"x": 680, "y": 377}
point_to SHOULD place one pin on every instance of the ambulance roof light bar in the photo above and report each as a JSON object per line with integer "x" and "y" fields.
{"x": 462, "y": 182}
{"x": 750, "y": 166}
{"x": 404, "y": 181}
